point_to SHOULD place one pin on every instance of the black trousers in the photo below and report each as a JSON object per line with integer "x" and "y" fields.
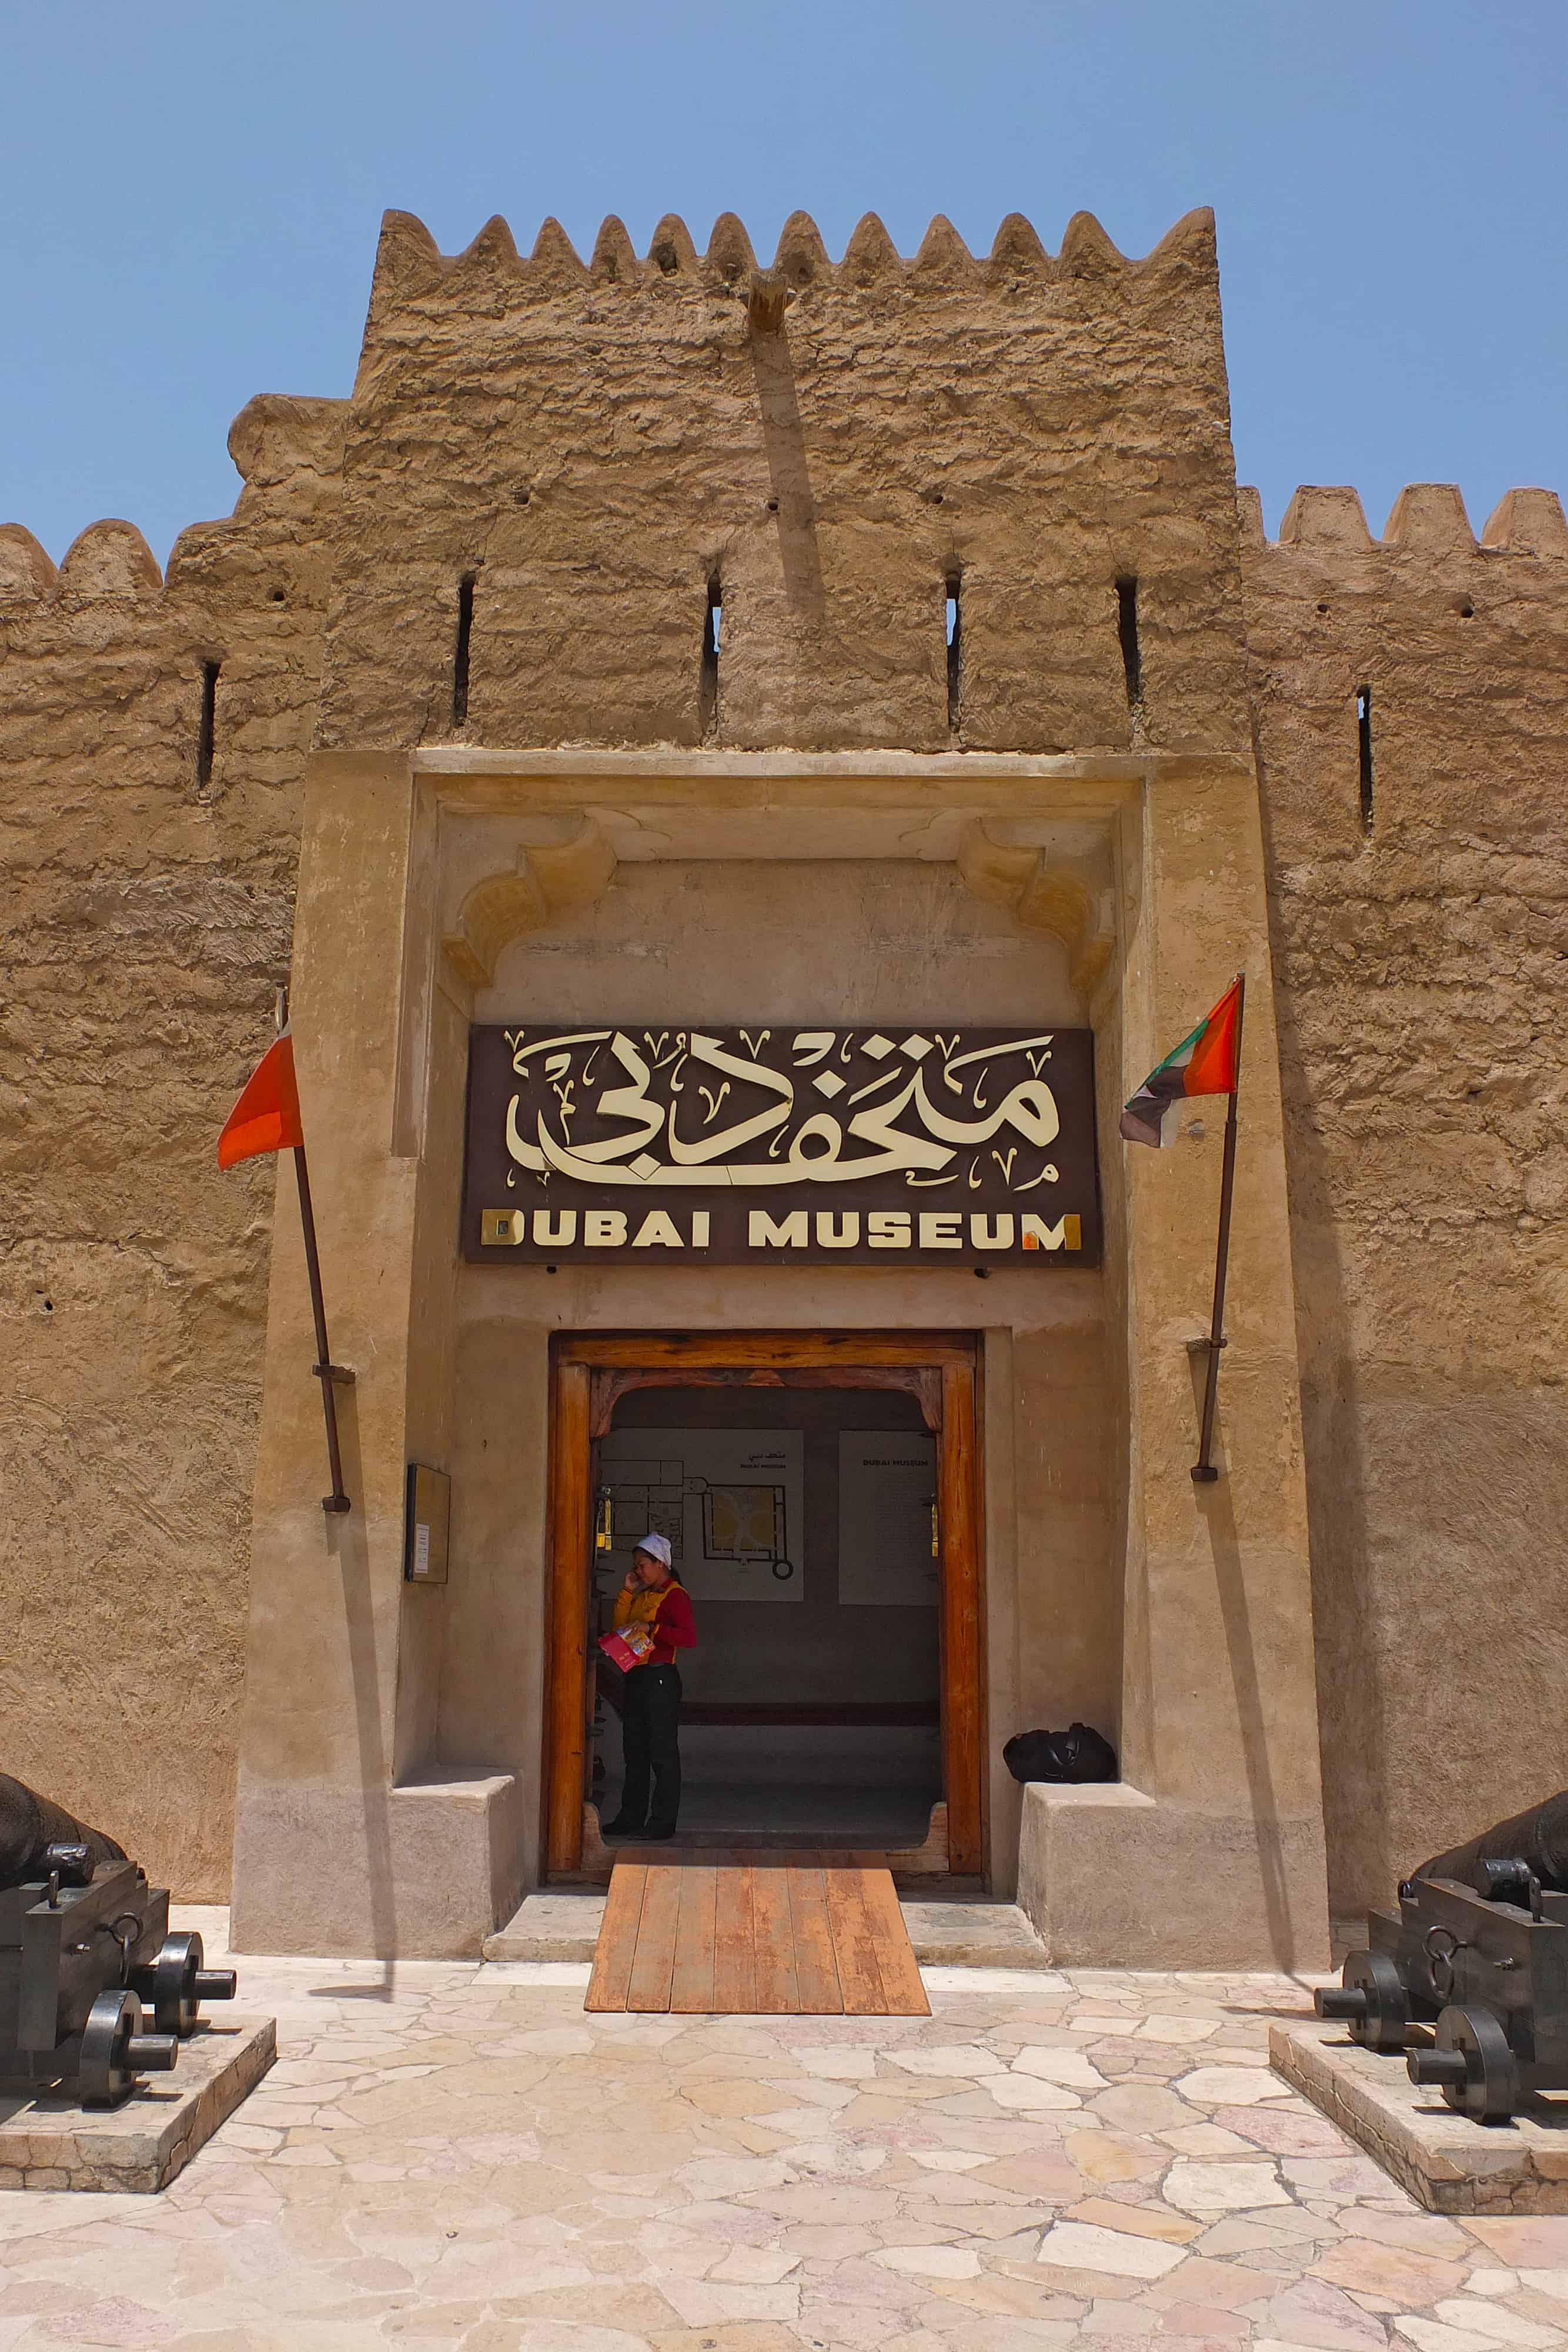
{"x": 650, "y": 1733}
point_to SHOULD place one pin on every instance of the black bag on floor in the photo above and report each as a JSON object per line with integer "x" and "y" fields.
{"x": 1076, "y": 1754}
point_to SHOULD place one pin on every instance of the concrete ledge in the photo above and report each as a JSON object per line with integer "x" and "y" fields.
{"x": 1113, "y": 1878}
{"x": 421, "y": 1872}
{"x": 48, "y": 2142}
{"x": 1447, "y": 2163}
{"x": 562, "y": 1925}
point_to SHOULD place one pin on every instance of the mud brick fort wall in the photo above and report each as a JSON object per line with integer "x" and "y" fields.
{"x": 148, "y": 897}
{"x": 571, "y": 463}
{"x": 1420, "y": 940}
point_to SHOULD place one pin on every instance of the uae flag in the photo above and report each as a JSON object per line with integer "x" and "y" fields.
{"x": 1203, "y": 1064}
{"x": 267, "y": 1115}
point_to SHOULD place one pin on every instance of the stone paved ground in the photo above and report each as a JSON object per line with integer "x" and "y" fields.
{"x": 462, "y": 2158}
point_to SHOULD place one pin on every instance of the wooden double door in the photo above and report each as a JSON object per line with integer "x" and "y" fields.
{"x": 591, "y": 1373}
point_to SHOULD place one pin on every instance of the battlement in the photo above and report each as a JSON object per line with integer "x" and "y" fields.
{"x": 1327, "y": 523}
{"x": 409, "y": 264}
{"x": 288, "y": 453}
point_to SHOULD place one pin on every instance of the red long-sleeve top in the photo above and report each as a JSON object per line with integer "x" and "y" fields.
{"x": 667, "y": 1614}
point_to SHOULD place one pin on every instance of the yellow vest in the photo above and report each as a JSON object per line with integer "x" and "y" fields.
{"x": 639, "y": 1608}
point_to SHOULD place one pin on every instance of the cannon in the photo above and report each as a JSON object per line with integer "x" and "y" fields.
{"x": 1478, "y": 1950}
{"x": 84, "y": 1944}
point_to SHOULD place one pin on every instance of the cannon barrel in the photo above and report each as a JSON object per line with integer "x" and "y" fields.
{"x": 29, "y": 1825}
{"x": 1537, "y": 1837}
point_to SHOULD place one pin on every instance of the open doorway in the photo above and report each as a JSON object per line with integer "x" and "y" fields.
{"x": 850, "y": 1426}
{"x": 803, "y": 1525}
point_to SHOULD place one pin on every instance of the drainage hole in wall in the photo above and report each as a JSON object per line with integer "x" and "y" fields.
{"x": 1466, "y": 612}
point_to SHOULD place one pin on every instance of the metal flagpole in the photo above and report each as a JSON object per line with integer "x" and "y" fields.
{"x": 1203, "y": 1470}
{"x": 325, "y": 1370}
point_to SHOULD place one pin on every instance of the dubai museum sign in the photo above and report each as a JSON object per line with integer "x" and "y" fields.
{"x": 864, "y": 1146}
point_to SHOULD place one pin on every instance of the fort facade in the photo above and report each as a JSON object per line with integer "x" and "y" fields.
{"x": 671, "y": 648}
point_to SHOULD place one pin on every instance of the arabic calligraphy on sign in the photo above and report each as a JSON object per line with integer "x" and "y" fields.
{"x": 601, "y": 1117}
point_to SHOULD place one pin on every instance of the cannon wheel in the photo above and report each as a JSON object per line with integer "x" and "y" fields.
{"x": 1490, "y": 2092}
{"x": 1371, "y": 2000}
{"x": 178, "y": 1981}
{"x": 176, "y": 2002}
{"x": 106, "y": 2075}
{"x": 1385, "y": 2024}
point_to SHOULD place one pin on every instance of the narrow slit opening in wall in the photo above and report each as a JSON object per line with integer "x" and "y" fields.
{"x": 712, "y": 626}
{"x": 207, "y": 726}
{"x": 461, "y": 650}
{"x": 1364, "y": 748}
{"x": 954, "y": 647}
{"x": 1127, "y": 633}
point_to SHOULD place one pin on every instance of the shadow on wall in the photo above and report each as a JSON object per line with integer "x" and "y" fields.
{"x": 784, "y": 445}
{"x": 1465, "y": 1498}
{"x": 1230, "y": 1588}
{"x": 1350, "y": 1702}
{"x": 349, "y": 1545}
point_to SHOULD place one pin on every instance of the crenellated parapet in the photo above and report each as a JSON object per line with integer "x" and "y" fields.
{"x": 1411, "y": 691}
{"x": 1323, "y": 523}
{"x": 201, "y": 679}
{"x": 410, "y": 266}
{"x": 850, "y": 460}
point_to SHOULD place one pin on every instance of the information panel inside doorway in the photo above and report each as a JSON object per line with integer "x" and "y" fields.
{"x": 893, "y": 1146}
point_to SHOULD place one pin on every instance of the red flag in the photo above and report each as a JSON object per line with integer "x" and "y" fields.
{"x": 1203, "y": 1064}
{"x": 267, "y": 1115}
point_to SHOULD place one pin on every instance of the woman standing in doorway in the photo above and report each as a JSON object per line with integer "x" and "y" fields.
{"x": 654, "y": 1599}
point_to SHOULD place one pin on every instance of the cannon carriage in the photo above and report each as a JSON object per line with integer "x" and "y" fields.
{"x": 1479, "y": 1950}
{"x": 85, "y": 1954}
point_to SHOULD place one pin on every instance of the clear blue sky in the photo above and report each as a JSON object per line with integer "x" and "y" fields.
{"x": 192, "y": 194}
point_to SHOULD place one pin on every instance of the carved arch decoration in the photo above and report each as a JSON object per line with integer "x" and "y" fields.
{"x": 566, "y": 862}
{"x": 1046, "y": 890}
{"x": 571, "y": 864}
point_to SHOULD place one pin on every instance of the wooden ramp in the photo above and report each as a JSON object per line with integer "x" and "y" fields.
{"x": 755, "y": 1935}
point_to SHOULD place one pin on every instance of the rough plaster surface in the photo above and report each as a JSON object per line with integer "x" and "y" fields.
{"x": 595, "y": 443}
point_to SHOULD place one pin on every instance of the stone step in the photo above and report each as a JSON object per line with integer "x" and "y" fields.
{"x": 980, "y": 1935}
{"x": 555, "y": 1923}
{"x": 563, "y": 1925}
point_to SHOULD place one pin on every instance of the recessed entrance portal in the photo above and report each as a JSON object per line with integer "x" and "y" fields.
{"x": 803, "y": 1524}
{"x": 819, "y": 1497}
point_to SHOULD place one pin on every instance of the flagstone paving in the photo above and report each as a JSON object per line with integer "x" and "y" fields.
{"x": 457, "y": 2156}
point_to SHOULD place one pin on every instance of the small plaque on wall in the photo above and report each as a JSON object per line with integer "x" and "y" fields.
{"x": 426, "y": 1521}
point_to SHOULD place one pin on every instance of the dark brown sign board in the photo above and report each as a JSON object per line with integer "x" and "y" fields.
{"x": 904, "y": 1145}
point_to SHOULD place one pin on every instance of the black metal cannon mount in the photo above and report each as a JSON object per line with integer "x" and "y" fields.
{"x": 84, "y": 1944}
{"x": 1480, "y": 1945}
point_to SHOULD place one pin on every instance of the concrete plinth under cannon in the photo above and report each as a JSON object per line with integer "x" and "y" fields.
{"x": 1445, "y": 2161}
{"x": 47, "y": 2141}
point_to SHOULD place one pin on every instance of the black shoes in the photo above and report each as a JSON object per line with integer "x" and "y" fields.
{"x": 620, "y": 1828}
{"x": 654, "y": 1834}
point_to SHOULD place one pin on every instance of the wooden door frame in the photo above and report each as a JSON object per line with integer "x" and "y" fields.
{"x": 590, "y": 1370}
